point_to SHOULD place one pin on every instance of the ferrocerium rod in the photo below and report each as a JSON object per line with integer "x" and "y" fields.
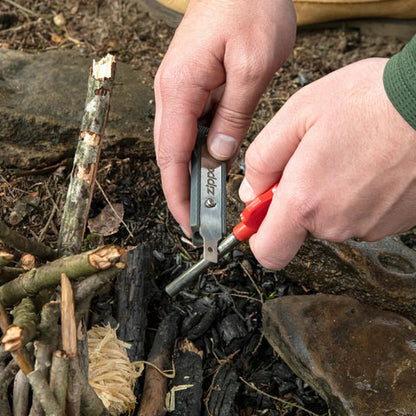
{"x": 191, "y": 274}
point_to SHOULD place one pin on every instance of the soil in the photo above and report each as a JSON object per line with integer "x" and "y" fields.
{"x": 94, "y": 28}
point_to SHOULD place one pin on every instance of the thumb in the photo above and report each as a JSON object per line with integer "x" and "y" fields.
{"x": 268, "y": 154}
{"x": 233, "y": 115}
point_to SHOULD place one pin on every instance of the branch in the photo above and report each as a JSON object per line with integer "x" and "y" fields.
{"x": 23, "y": 244}
{"x": 81, "y": 187}
{"x": 5, "y": 258}
{"x": 49, "y": 275}
{"x": 23, "y": 329}
{"x": 59, "y": 377}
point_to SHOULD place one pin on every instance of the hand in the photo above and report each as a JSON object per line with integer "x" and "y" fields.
{"x": 223, "y": 55}
{"x": 346, "y": 161}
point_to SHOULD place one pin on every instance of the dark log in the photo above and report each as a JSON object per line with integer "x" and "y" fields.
{"x": 188, "y": 371}
{"x": 223, "y": 391}
{"x": 133, "y": 292}
{"x": 156, "y": 384}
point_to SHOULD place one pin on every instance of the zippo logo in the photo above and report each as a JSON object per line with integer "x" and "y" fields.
{"x": 211, "y": 182}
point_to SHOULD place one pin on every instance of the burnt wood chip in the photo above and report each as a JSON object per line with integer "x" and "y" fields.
{"x": 224, "y": 390}
{"x": 231, "y": 327}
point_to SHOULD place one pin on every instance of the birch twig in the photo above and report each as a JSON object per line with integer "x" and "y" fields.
{"x": 80, "y": 190}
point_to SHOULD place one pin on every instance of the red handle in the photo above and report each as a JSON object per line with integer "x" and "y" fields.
{"x": 253, "y": 215}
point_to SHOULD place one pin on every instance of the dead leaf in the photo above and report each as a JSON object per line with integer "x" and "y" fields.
{"x": 107, "y": 222}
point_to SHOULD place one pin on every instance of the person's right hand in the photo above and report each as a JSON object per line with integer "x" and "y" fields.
{"x": 223, "y": 55}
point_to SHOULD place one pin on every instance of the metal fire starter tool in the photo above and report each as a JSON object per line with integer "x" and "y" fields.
{"x": 251, "y": 218}
{"x": 207, "y": 198}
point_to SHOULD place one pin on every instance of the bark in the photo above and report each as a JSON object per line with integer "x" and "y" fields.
{"x": 43, "y": 394}
{"x": 94, "y": 284}
{"x": 48, "y": 339}
{"x": 156, "y": 384}
{"x": 49, "y": 275}
{"x": 5, "y": 258}
{"x": 9, "y": 273}
{"x": 21, "y": 390}
{"x": 23, "y": 329}
{"x": 90, "y": 403}
{"x": 188, "y": 371}
{"x": 134, "y": 291}
{"x": 23, "y": 244}
{"x": 59, "y": 378}
{"x": 6, "y": 377}
{"x": 224, "y": 388}
{"x": 80, "y": 190}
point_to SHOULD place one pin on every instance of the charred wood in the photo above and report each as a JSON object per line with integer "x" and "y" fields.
{"x": 133, "y": 293}
{"x": 187, "y": 360}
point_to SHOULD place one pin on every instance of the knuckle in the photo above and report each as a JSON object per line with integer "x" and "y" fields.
{"x": 169, "y": 77}
{"x": 257, "y": 160}
{"x": 303, "y": 208}
{"x": 234, "y": 118}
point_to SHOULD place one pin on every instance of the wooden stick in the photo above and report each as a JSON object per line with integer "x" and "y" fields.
{"x": 48, "y": 275}
{"x": 68, "y": 324}
{"x": 155, "y": 384}
{"x": 9, "y": 273}
{"x": 70, "y": 346}
{"x": 81, "y": 187}
{"x": 43, "y": 393}
{"x": 59, "y": 378}
{"x": 5, "y": 258}
{"x": 47, "y": 342}
{"x": 23, "y": 244}
{"x": 6, "y": 377}
{"x": 23, "y": 329}
{"x": 21, "y": 389}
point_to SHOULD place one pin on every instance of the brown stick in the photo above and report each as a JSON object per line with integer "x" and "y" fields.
{"x": 5, "y": 258}
{"x": 81, "y": 187}
{"x": 69, "y": 344}
{"x": 19, "y": 355}
{"x": 155, "y": 384}
{"x": 23, "y": 244}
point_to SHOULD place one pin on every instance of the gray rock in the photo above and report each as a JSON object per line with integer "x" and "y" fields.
{"x": 361, "y": 360}
{"x": 382, "y": 273}
{"x": 42, "y": 99}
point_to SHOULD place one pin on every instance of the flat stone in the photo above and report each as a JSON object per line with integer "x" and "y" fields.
{"x": 382, "y": 273}
{"x": 42, "y": 98}
{"x": 361, "y": 360}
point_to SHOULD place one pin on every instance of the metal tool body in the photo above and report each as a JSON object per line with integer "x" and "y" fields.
{"x": 207, "y": 198}
{"x": 251, "y": 218}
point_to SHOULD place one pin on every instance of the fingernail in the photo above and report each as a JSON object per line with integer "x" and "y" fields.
{"x": 246, "y": 192}
{"x": 185, "y": 231}
{"x": 223, "y": 147}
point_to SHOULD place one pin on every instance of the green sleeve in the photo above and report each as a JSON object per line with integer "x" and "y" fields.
{"x": 400, "y": 82}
